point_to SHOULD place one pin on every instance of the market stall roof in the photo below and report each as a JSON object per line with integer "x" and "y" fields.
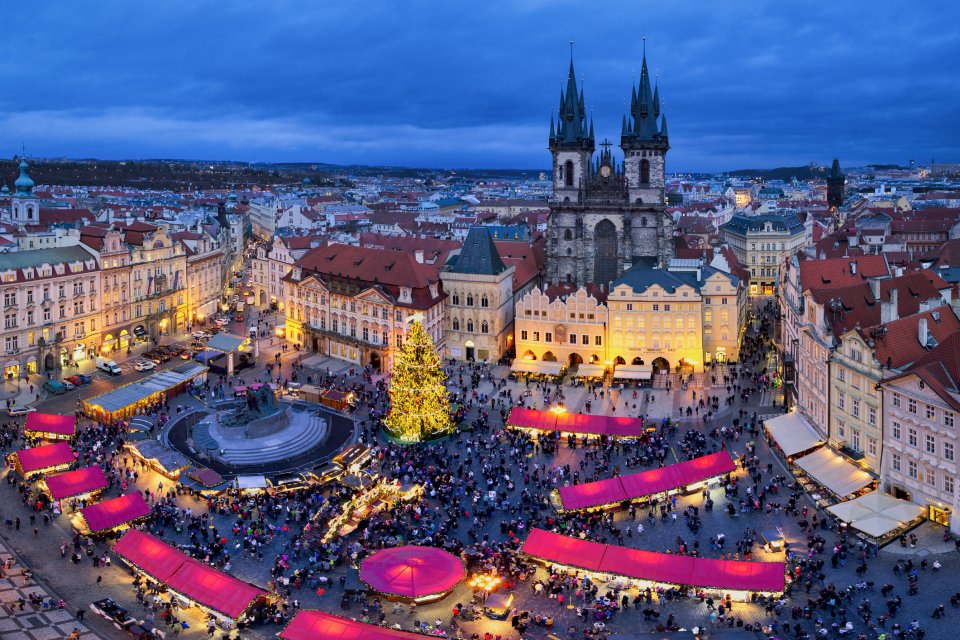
{"x": 135, "y": 392}
{"x": 154, "y": 450}
{"x": 140, "y": 424}
{"x": 75, "y": 483}
{"x": 45, "y": 457}
{"x": 575, "y": 423}
{"x": 590, "y": 371}
{"x": 542, "y": 367}
{"x": 214, "y": 589}
{"x": 225, "y": 342}
{"x": 51, "y": 423}
{"x": 655, "y": 567}
{"x": 833, "y": 472}
{"x": 109, "y": 514}
{"x": 154, "y": 557}
{"x": 633, "y": 371}
{"x": 793, "y": 433}
{"x": 412, "y": 571}
{"x": 310, "y": 624}
{"x": 638, "y": 485}
{"x": 876, "y": 513}
{"x": 251, "y": 482}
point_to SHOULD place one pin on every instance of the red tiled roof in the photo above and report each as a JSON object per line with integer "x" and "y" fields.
{"x": 896, "y": 343}
{"x": 839, "y": 272}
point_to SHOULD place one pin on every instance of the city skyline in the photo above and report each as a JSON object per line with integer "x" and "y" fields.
{"x": 424, "y": 89}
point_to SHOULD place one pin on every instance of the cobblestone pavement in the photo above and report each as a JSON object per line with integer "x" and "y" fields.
{"x": 78, "y": 583}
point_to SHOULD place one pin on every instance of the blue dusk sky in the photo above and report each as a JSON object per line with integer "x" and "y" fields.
{"x": 473, "y": 84}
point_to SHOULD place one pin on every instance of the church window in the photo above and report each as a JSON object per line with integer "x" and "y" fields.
{"x": 469, "y": 299}
{"x": 484, "y": 327}
{"x": 456, "y": 325}
{"x": 469, "y": 326}
{"x": 568, "y": 174}
{"x": 568, "y": 235}
{"x": 569, "y": 251}
{"x": 643, "y": 221}
{"x": 644, "y": 172}
{"x": 456, "y": 298}
{"x": 484, "y": 302}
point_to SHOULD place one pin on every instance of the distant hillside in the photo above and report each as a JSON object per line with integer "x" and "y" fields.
{"x": 782, "y": 173}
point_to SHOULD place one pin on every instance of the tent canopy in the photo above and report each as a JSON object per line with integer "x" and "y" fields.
{"x": 876, "y": 513}
{"x": 833, "y": 472}
{"x": 109, "y": 514}
{"x": 159, "y": 382}
{"x": 310, "y": 624}
{"x": 181, "y": 573}
{"x": 792, "y": 433}
{"x": 225, "y": 342}
{"x": 638, "y": 485}
{"x": 412, "y": 571}
{"x": 51, "y": 423}
{"x": 75, "y": 483}
{"x": 633, "y": 372}
{"x": 575, "y": 423}
{"x": 655, "y": 567}
{"x": 542, "y": 367}
{"x": 590, "y": 371}
{"x": 45, "y": 457}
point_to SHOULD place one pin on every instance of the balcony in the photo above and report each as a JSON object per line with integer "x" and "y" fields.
{"x": 850, "y": 452}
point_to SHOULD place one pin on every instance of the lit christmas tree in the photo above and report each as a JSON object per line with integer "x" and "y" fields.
{"x": 419, "y": 404}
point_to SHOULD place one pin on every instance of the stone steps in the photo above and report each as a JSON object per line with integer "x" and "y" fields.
{"x": 315, "y": 433}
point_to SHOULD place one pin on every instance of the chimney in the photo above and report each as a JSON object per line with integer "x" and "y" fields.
{"x": 890, "y": 310}
{"x": 418, "y": 255}
{"x": 922, "y": 332}
{"x": 874, "y": 288}
{"x": 853, "y": 268}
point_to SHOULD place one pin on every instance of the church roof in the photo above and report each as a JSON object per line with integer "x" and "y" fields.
{"x": 479, "y": 255}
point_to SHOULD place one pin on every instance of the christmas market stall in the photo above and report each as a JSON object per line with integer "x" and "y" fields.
{"x": 683, "y": 477}
{"x": 204, "y": 481}
{"x": 738, "y": 579}
{"x": 82, "y": 484}
{"x": 574, "y": 423}
{"x": 310, "y": 624}
{"x": 337, "y": 400}
{"x": 791, "y": 435}
{"x": 136, "y": 397}
{"x": 49, "y": 426}
{"x": 365, "y": 504}
{"x": 226, "y": 598}
{"x": 44, "y": 459}
{"x": 111, "y": 515}
{"x": 412, "y": 573}
{"x": 164, "y": 461}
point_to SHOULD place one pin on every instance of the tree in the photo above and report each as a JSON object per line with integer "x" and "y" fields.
{"x": 419, "y": 404}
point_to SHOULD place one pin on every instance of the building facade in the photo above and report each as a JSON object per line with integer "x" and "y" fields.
{"x": 606, "y": 218}
{"x": 562, "y": 323}
{"x": 762, "y": 243}
{"x": 158, "y": 280}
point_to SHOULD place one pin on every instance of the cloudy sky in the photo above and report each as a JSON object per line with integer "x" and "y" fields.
{"x": 473, "y": 84}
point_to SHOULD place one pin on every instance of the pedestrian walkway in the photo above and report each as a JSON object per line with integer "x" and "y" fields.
{"x": 32, "y": 623}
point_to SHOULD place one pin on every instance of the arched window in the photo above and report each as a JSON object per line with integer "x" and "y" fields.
{"x": 643, "y": 221}
{"x": 456, "y": 298}
{"x": 568, "y": 173}
{"x": 484, "y": 327}
{"x": 469, "y": 326}
{"x": 484, "y": 302}
{"x": 567, "y": 234}
{"x": 644, "y": 172}
{"x": 469, "y": 299}
{"x": 456, "y": 324}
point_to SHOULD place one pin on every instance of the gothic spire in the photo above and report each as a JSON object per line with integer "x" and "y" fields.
{"x": 663, "y": 127}
{"x": 572, "y": 127}
{"x": 645, "y": 108}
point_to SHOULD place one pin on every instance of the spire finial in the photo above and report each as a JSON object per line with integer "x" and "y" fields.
{"x": 571, "y": 49}
{"x": 644, "y": 46}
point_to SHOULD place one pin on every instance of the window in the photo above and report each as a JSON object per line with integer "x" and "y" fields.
{"x": 484, "y": 302}
{"x": 573, "y": 338}
{"x": 9, "y": 299}
{"x": 931, "y": 477}
{"x": 644, "y": 172}
{"x": 666, "y": 307}
{"x": 584, "y": 339}
{"x": 911, "y": 405}
{"x": 366, "y": 334}
{"x": 656, "y": 307}
{"x": 841, "y": 375}
{"x": 597, "y": 341}
{"x": 895, "y": 461}
{"x": 912, "y": 469}
{"x": 484, "y": 327}
{"x": 630, "y": 307}
{"x": 841, "y": 401}
{"x": 912, "y": 437}
{"x": 708, "y": 316}
{"x": 855, "y": 408}
{"x": 523, "y": 335}
{"x": 841, "y": 429}
{"x": 930, "y": 444}
{"x": 872, "y": 416}
{"x": 931, "y": 412}
{"x": 872, "y": 447}
{"x": 548, "y": 337}
{"x": 948, "y": 484}
{"x": 456, "y": 324}
{"x": 948, "y": 418}
{"x": 855, "y": 440}
{"x": 896, "y": 431}
{"x": 536, "y": 336}
{"x": 470, "y": 328}
{"x": 469, "y": 299}
{"x": 896, "y": 399}
{"x": 948, "y": 451}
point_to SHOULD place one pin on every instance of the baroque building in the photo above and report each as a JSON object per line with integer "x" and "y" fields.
{"x": 607, "y": 217}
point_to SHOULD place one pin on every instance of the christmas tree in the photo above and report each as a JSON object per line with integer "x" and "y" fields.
{"x": 419, "y": 404}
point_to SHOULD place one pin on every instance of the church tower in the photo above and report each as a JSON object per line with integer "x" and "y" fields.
{"x": 835, "y": 183}
{"x": 608, "y": 216}
{"x": 24, "y": 207}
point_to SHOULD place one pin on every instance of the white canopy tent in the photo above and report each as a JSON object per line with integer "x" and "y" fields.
{"x": 541, "y": 367}
{"x": 833, "y": 472}
{"x": 792, "y": 433}
{"x": 876, "y": 514}
{"x": 633, "y": 372}
{"x": 591, "y": 371}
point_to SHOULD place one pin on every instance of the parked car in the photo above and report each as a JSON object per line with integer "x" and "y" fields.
{"x": 13, "y": 412}
{"x": 144, "y": 365}
{"x": 112, "y": 612}
{"x": 69, "y": 385}
{"x": 55, "y": 387}
{"x": 76, "y": 380}
{"x": 85, "y": 378}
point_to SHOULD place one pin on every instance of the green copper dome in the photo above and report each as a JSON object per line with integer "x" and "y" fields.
{"x": 24, "y": 183}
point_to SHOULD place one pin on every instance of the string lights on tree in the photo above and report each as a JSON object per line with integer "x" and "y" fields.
{"x": 419, "y": 404}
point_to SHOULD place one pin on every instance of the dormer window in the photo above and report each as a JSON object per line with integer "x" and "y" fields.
{"x": 406, "y": 294}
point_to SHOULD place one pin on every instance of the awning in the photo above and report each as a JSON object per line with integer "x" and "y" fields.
{"x": 575, "y": 423}
{"x": 251, "y": 482}
{"x": 412, "y": 571}
{"x": 833, "y": 472}
{"x": 159, "y": 382}
{"x": 51, "y": 423}
{"x": 792, "y": 433}
{"x": 877, "y": 514}
{"x": 110, "y": 514}
{"x": 541, "y": 367}
{"x": 591, "y": 371}
{"x": 633, "y": 372}
{"x": 655, "y": 567}
{"x": 225, "y": 342}
{"x": 646, "y": 483}
{"x": 46, "y": 457}
{"x": 188, "y": 577}
{"x": 75, "y": 483}
{"x": 310, "y": 624}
